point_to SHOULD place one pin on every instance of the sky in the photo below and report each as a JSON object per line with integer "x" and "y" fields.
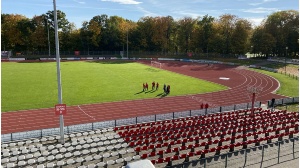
{"x": 78, "y": 11}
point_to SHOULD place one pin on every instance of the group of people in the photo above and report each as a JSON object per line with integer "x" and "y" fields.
{"x": 154, "y": 86}
{"x": 166, "y": 89}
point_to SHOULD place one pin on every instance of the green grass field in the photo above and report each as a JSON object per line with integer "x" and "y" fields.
{"x": 34, "y": 85}
{"x": 288, "y": 86}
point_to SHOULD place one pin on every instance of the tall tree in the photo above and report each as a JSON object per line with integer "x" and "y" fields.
{"x": 11, "y": 36}
{"x": 186, "y": 26}
{"x": 284, "y": 27}
{"x": 145, "y": 31}
{"x": 262, "y": 42}
{"x": 39, "y": 37}
{"x": 227, "y": 23}
{"x": 206, "y": 32}
{"x": 240, "y": 36}
{"x": 62, "y": 21}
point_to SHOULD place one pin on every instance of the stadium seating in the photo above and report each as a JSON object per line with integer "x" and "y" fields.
{"x": 163, "y": 142}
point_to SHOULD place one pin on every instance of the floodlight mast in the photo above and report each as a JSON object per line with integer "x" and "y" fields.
{"x": 61, "y": 117}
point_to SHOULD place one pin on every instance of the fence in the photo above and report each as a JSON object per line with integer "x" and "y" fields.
{"x": 143, "y": 54}
{"x": 135, "y": 120}
{"x": 265, "y": 155}
{"x": 127, "y": 121}
{"x": 284, "y": 101}
{"x": 289, "y": 75}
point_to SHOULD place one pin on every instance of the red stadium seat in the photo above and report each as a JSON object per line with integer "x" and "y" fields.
{"x": 197, "y": 138}
{"x": 144, "y": 156}
{"x": 190, "y": 154}
{"x": 138, "y": 143}
{"x": 127, "y": 139}
{"x": 175, "y": 157}
{"x": 131, "y": 144}
{"x": 203, "y": 144}
{"x": 216, "y": 141}
{"x": 231, "y": 147}
{"x": 183, "y": 156}
{"x": 237, "y": 144}
{"x": 166, "y": 144}
{"x": 137, "y": 150}
{"x": 171, "y": 143}
{"x": 158, "y": 145}
{"x": 191, "y": 146}
{"x": 196, "y": 145}
{"x": 204, "y": 151}
{"x": 225, "y": 147}
{"x": 199, "y": 152}
{"x": 151, "y": 154}
{"x": 146, "y": 141}
{"x": 133, "y": 138}
{"x": 183, "y": 148}
{"x": 144, "y": 148}
{"x": 168, "y": 160}
{"x": 168, "y": 150}
{"x": 176, "y": 150}
{"x": 212, "y": 150}
{"x": 178, "y": 141}
{"x": 153, "y": 162}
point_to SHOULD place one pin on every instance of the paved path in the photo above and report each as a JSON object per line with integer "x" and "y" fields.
{"x": 239, "y": 79}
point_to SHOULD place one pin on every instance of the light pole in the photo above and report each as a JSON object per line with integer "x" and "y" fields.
{"x": 286, "y": 48}
{"x": 127, "y": 44}
{"x": 48, "y": 37}
{"x": 61, "y": 117}
{"x": 207, "y": 51}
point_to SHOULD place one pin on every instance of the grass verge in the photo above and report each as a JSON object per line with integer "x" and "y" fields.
{"x": 288, "y": 86}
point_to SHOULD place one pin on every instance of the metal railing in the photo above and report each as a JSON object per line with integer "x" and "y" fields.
{"x": 127, "y": 121}
{"x": 135, "y": 120}
{"x": 131, "y": 54}
{"x": 265, "y": 155}
{"x": 284, "y": 101}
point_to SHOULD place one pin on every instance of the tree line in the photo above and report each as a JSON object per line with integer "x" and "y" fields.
{"x": 277, "y": 35}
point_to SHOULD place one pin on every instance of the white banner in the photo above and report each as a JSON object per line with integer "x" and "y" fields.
{"x": 16, "y": 59}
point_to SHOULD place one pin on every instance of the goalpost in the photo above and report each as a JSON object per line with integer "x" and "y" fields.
{"x": 156, "y": 64}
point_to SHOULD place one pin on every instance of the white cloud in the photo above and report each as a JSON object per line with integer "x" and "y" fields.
{"x": 256, "y": 21}
{"x": 260, "y": 10}
{"x": 154, "y": 2}
{"x": 262, "y": 2}
{"x": 255, "y": 4}
{"x": 269, "y": 0}
{"x": 200, "y": 1}
{"x": 127, "y": 2}
{"x": 189, "y": 14}
{"x": 146, "y": 12}
{"x": 81, "y": 2}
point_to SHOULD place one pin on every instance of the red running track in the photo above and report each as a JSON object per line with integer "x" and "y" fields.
{"x": 239, "y": 79}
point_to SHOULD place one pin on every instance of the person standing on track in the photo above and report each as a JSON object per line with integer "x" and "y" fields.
{"x": 144, "y": 86}
{"x": 157, "y": 85}
{"x": 165, "y": 88}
